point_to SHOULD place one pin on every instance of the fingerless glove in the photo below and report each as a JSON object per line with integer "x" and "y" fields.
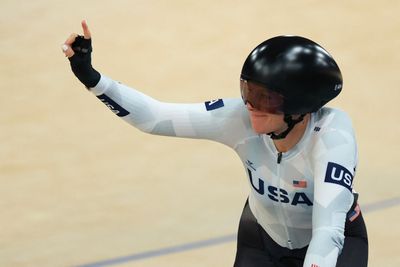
{"x": 81, "y": 62}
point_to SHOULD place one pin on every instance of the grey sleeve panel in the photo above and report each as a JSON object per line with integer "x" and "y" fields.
{"x": 224, "y": 121}
{"x": 334, "y": 169}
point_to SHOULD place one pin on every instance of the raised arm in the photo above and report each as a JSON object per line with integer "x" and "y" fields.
{"x": 222, "y": 120}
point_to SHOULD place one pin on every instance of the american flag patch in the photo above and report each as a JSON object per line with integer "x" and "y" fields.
{"x": 354, "y": 214}
{"x": 300, "y": 183}
{"x": 314, "y": 265}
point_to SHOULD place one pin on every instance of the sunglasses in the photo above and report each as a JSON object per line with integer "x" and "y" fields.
{"x": 261, "y": 98}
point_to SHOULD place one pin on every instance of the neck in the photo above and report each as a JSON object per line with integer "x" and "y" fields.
{"x": 284, "y": 145}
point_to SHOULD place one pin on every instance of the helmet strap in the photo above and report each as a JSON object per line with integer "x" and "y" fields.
{"x": 290, "y": 123}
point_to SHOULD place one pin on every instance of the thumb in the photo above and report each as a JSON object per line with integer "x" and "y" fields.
{"x": 86, "y": 32}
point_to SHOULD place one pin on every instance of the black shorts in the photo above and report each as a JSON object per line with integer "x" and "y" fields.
{"x": 255, "y": 248}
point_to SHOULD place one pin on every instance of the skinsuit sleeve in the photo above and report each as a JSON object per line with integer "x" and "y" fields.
{"x": 221, "y": 120}
{"x": 334, "y": 160}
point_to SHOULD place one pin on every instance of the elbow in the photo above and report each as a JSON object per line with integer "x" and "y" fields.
{"x": 164, "y": 128}
{"x": 143, "y": 127}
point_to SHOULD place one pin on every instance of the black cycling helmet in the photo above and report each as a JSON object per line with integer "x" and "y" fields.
{"x": 301, "y": 75}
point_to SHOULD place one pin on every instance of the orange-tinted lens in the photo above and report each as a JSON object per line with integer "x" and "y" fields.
{"x": 261, "y": 98}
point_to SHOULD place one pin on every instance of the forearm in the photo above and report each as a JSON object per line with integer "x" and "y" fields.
{"x": 81, "y": 62}
{"x": 324, "y": 248}
{"x": 136, "y": 108}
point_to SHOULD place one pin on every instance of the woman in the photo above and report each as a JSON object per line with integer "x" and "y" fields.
{"x": 300, "y": 157}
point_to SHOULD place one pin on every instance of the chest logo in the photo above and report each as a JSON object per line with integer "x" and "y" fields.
{"x": 279, "y": 194}
{"x": 250, "y": 165}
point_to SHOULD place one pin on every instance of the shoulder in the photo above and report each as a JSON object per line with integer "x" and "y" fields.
{"x": 332, "y": 119}
{"x": 333, "y": 127}
{"x": 334, "y": 138}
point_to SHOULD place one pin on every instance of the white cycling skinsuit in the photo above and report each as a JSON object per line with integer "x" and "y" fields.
{"x": 300, "y": 197}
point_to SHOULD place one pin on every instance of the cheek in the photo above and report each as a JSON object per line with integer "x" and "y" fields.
{"x": 260, "y": 124}
{"x": 265, "y": 124}
{"x": 259, "y": 120}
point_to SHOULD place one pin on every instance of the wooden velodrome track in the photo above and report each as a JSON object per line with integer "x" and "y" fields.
{"x": 80, "y": 186}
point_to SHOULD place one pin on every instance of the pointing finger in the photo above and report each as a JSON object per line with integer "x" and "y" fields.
{"x": 86, "y": 32}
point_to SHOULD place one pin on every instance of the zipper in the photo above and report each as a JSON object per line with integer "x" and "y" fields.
{"x": 281, "y": 211}
{"x": 279, "y": 159}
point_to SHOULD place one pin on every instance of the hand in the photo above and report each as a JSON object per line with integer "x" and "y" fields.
{"x": 67, "y": 46}
{"x": 78, "y": 49}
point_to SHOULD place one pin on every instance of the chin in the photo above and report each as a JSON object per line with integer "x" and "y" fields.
{"x": 260, "y": 130}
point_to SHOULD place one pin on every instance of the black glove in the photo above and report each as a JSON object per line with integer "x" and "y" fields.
{"x": 81, "y": 62}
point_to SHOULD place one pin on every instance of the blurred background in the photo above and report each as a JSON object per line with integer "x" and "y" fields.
{"x": 80, "y": 186}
